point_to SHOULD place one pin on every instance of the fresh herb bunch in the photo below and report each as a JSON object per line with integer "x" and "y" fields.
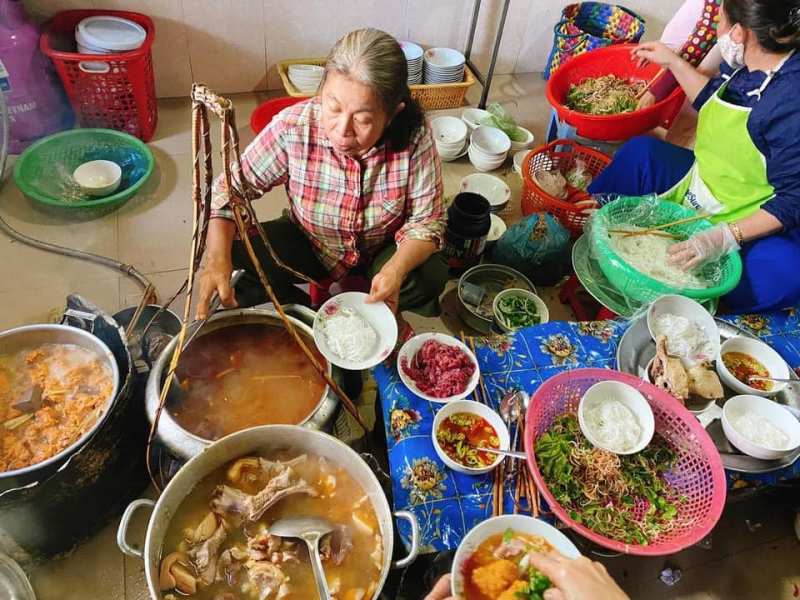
{"x": 606, "y": 95}
{"x": 517, "y": 311}
{"x": 625, "y": 498}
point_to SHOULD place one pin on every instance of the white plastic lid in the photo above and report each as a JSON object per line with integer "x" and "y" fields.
{"x": 111, "y": 33}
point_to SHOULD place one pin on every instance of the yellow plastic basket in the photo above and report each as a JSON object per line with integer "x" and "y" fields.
{"x": 430, "y": 97}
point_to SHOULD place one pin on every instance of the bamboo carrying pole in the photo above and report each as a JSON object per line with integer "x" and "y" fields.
{"x": 241, "y": 197}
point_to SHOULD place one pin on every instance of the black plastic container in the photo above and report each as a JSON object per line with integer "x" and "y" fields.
{"x": 468, "y": 224}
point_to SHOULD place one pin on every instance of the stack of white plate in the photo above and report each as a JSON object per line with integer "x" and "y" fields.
{"x": 414, "y": 60}
{"x": 450, "y": 135}
{"x": 488, "y": 148}
{"x": 443, "y": 65}
{"x": 306, "y": 78}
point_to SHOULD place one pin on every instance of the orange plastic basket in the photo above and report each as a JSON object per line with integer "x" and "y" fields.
{"x": 561, "y": 155}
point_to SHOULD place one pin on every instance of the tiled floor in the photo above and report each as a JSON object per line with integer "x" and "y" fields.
{"x": 152, "y": 233}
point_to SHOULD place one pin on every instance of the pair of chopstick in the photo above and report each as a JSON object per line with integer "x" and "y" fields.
{"x": 659, "y": 229}
{"x": 651, "y": 83}
{"x": 482, "y": 396}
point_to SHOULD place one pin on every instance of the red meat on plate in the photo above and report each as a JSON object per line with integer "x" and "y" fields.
{"x": 439, "y": 370}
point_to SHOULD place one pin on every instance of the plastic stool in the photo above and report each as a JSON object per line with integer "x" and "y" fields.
{"x": 571, "y": 293}
{"x": 322, "y": 293}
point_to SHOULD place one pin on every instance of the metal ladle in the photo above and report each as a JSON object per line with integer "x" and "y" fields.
{"x": 310, "y": 530}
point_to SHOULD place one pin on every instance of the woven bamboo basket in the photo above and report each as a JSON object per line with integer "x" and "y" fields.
{"x": 430, "y": 97}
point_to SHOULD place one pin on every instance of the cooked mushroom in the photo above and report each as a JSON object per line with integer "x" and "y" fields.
{"x": 175, "y": 575}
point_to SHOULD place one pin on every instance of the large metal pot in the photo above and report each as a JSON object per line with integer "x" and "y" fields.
{"x": 184, "y": 444}
{"x": 31, "y": 336}
{"x": 261, "y": 441}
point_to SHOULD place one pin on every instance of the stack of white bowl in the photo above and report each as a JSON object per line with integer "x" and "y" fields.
{"x": 450, "y": 135}
{"x": 306, "y": 78}
{"x": 443, "y": 65}
{"x": 414, "y": 61}
{"x": 488, "y": 148}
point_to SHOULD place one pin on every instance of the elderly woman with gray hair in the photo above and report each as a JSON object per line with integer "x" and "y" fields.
{"x": 360, "y": 167}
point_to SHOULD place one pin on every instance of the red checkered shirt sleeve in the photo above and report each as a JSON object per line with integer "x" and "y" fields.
{"x": 425, "y": 219}
{"x": 264, "y": 165}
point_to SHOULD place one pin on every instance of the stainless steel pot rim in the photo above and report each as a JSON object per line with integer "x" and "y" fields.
{"x": 159, "y": 367}
{"x": 72, "y": 449}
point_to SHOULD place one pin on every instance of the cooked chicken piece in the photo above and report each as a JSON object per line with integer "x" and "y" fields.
{"x": 704, "y": 383}
{"x": 493, "y": 579}
{"x": 230, "y": 564}
{"x": 205, "y": 554}
{"x": 335, "y": 546}
{"x": 668, "y": 372}
{"x": 203, "y": 531}
{"x": 175, "y": 574}
{"x": 517, "y": 590}
{"x": 510, "y": 549}
{"x": 233, "y": 501}
{"x": 267, "y": 579}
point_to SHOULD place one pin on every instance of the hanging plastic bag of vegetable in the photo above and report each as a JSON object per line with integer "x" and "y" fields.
{"x": 537, "y": 246}
{"x": 500, "y": 118}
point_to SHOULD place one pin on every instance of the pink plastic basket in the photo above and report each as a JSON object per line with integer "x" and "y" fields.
{"x": 698, "y": 473}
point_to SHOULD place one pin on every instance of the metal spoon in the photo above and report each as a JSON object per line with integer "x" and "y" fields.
{"x": 213, "y": 305}
{"x": 759, "y": 378}
{"x": 310, "y": 530}
{"x": 508, "y": 453}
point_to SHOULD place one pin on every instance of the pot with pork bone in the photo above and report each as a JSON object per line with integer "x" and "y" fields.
{"x": 243, "y": 370}
{"x": 209, "y": 533}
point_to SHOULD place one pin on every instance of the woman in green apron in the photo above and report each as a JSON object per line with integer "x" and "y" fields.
{"x": 745, "y": 168}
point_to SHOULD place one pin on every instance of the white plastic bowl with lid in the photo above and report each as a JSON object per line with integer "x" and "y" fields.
{"x": 105, "y": 34}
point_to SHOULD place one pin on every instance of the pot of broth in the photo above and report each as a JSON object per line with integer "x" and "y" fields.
{"x": 243, "y": 370}
{"x": 208, "y": 534}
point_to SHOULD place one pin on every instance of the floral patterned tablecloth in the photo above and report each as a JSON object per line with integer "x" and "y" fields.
{"x": 449, "y": 504}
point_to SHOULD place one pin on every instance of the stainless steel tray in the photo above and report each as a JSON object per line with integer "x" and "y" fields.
{"x": 637, "y": 348}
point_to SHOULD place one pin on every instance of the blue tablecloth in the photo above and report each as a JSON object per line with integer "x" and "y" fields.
{"x": 449, "y": 504}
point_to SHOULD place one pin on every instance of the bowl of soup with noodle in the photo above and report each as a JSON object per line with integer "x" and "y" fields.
{"x": 493, "y": 560}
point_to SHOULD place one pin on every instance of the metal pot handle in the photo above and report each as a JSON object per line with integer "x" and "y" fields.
{"x": 412, "y": 554}
{"x": 122, "y": 531}
{"x": 303, "y": 313}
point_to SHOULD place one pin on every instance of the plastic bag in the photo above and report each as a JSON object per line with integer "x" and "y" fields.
{"x": 637, "y": 266}
{"x": 37, "y": 105}
{"x": 578, "y": 177}
{"x": 500, "y": 118}
{"x": 537, "y": 246}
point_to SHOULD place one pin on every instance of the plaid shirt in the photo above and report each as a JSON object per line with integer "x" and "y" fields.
{"x": 348, "y": 208}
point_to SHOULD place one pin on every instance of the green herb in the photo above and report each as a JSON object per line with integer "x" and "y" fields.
{"x": 517, "y": 311}
{"x": 537, "y": 585}
{"x": 607, "y": 95}
{"x": 508, "y": 535}
{"x": 625, "y": 498}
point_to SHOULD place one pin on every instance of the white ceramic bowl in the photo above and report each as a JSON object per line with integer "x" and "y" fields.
{"x": 305, "y": 69}
{"x": 524, "y": 144}
{"x": 498, "y": 525}
{"x": 490, "y": 187}
{"x": 473, "y": 116}
{"x": 775, "y": 413}
{"x": 541, "y": 307}
{"x": 482, "y": 164}
{"x": 692, "y": 310}
{"x": 410, "y": 348}
{"x": 447, "y": 154}
{"x": 496, "y": 229}
{"x": 626, "y": 395}
{"x": 491, "y": 140}
{"x": 773, "y": 362}
{"x": 449, "y": 131}
{"x": 486, "y": 155}
{"x": 444, "y": 59}
{"x": 470, "y": 406}
{"x": 377, "y": 314}
{"x": 519, "y": 157}
{"x": 98, "y": 177}
{"x": 412, "y": 51}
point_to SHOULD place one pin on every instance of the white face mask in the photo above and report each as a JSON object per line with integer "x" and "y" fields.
{"x": 732, "y": 52}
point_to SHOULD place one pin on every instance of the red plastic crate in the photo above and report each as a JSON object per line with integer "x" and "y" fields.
{"x": 115, "y": 91}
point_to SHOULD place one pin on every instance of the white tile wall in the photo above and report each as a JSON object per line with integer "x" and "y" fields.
{"x": 234, "y": 45}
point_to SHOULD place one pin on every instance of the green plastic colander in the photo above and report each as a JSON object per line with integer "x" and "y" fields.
{"x": 44, "y": 171}
{"x": 649, "y": 212}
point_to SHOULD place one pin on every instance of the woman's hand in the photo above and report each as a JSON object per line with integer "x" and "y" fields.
{"x": 386, "y": 286}
{"x": 706, "y": 246}
{"x": 646, "y": 101}
{"x": 441, "y": 591}
{"x": 654, "y": 52}
{"x": 215, "y": 277}
{"x": 576, "y": 579}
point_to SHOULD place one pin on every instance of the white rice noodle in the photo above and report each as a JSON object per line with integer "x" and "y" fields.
{"x": 349, "y": 336}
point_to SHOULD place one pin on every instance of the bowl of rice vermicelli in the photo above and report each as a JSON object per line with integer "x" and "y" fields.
{"x": 637, "y": 265}
{"x": 596, "y": 93}
{"x": 656, "y": 502}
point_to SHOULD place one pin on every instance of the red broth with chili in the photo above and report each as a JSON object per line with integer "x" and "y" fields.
{"x": 461, "y": 435}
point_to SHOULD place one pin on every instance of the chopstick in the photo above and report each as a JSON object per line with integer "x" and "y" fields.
{"x": 691, "y": 219}
{"x": 650, "y": 84}
{"x": 628, "y": 233}
{"x": 499, "y": 473}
